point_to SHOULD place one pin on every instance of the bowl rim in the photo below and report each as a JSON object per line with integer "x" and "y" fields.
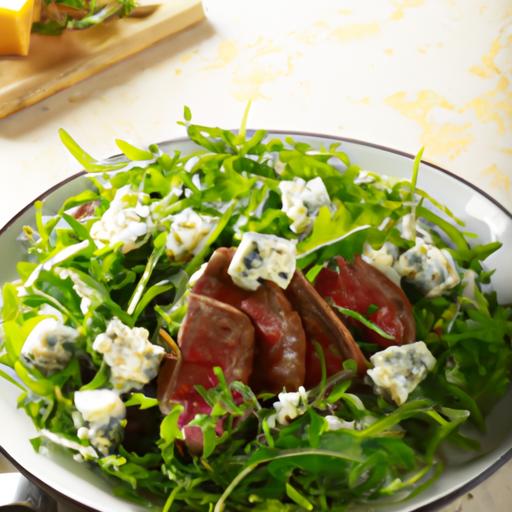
{"x": 429, "y": 507}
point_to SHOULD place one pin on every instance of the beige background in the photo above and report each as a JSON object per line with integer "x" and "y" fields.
{"x": 402, "y": 73}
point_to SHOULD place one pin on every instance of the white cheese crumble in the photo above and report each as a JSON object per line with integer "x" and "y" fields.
{"x": 383, "y": 259}
{"x": 469, "y": 281}
{"x": 302, "y": 200}
{"x": 364, "y": 177}
{"x": 99, "y": 405}
{"x": 384, "y": 256}
{"x": 399, "y": 369}
{"x": 85, "y": 452}
{"x": 334, "y": 423}
{"x": 49, "y": 345}
{"x": 86, "y": 294}
{"x": 431, "y": 269}
{"x": 289, "y": 407}
{"x": 188, "y": 233}
{"x": 103, "y": 411}
{"x": 132, "y": 358}
{"x": 82, "y": 433}
{"x": 261, "y": 257}
{"x": 127, "y": 221}
{"x": 47, "y": 310}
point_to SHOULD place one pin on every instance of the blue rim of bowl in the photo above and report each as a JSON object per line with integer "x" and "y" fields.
{"x": 429, "y": 507}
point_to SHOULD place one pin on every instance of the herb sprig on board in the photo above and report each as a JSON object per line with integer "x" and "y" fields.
{"x": 58, "y": 15}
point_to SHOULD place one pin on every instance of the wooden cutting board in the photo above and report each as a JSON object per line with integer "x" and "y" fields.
{"x": 57, "y": 62}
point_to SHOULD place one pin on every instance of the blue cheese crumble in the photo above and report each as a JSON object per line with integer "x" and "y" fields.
{"x": 49, "y": 345}
{"x": 288, "y": 407}
{"x": 188, "y": 234}
{"x": 431, "y": 269}
{"x": 301, "y": 201}
{"x": 127, "y": 221}
{"x": 383, "y": 260}
{"x": 132, "y": 358}
{"x": 399, "y": 369}
{"x": 260, "y": 257}
{"x": 103, "y": 411}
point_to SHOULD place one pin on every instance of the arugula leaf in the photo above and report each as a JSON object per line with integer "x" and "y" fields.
{"x": 87, "y": 161}
{"x": 133, "y": 153}
{"x": 360, "y": 318}
{"x": 50, "y": 27}
{"x": 141, "y": 400}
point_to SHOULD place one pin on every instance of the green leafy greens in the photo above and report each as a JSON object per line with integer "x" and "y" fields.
{"x": 59, "y": 15}
{"x": 347, "y": 445}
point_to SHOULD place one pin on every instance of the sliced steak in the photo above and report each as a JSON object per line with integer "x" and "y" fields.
{"x": 215, "y": 281}
{"x": 323, "y": 326}
{"x": 212, "y": 334}
{"x": 217, "y": 334}
{"x": 280, "y": 351}
{"x": 176, "y": 384}
{"x": 85, "y": 210}
{"x": 360, "y": 286}
{"x": 279, "y": 358}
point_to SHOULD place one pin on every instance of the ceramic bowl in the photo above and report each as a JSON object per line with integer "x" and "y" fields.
{"x": 60, "y": 474}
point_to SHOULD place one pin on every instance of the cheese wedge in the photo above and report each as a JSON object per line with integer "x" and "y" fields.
{"x": 15, "y": 26}
{"x": 36, "y": 15}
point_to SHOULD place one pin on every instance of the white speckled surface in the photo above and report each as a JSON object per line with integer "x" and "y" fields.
{"x": 401, "y": 73}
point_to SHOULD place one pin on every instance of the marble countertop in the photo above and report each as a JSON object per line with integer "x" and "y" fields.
{"x": 400, "y": 73}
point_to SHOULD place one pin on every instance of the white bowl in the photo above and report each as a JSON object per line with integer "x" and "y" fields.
{"x": 60, "y": 474}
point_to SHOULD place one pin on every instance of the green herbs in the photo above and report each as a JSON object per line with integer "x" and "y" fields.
{"x": 471, "y": 339}
{"x": 128, "y": 247}
{"x": 361, "y": 318}
{"x": 336, "y": 453}
{"x": 59, "y": 15}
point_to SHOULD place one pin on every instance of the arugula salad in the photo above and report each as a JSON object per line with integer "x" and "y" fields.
{"x": 254, "y": 325}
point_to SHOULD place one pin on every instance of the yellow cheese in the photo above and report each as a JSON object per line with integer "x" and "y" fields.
{"x": 36, "y": 16}
{"x": 15, "y": 25}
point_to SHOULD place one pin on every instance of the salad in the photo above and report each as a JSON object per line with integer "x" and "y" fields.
{"x": 255, "y": 325}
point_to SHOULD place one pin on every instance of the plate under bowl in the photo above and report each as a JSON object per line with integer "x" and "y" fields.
{"x": 60, "y": 474}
